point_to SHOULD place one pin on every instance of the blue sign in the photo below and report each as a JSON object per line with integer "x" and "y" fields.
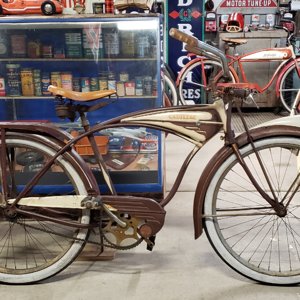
{"x": 187, "y": 16}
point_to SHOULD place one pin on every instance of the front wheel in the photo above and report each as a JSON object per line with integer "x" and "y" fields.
{"x": 33, "y": 249}
{"x": 289, "y": 86}
{"x": 242, "y": 227}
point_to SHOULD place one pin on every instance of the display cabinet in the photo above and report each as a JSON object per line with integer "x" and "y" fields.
{"x": 86, "y": 53}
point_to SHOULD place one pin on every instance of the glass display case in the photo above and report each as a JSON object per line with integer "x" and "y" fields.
{"x": 87, "y": 53}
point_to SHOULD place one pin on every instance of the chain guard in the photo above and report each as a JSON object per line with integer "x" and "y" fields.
{"x": 143, "y": 211}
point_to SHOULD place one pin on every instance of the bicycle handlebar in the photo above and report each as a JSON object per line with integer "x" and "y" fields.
{"x": 200, "y": 47}
{"x": 183, "y": 37}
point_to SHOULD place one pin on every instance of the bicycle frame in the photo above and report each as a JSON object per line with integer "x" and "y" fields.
{"x": 196, "y": 124}
{"x": 202, "y": 60}
{"x": 284, "y": 55}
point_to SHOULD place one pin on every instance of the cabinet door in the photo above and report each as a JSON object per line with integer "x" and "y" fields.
{"x": 88, "y": 54}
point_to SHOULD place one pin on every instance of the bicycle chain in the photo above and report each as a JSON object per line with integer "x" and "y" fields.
{"x": 110, "y": 244}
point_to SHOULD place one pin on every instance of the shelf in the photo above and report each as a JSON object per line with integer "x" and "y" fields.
{"x": 78, "y": 59}
{"x": 52, "y": 97}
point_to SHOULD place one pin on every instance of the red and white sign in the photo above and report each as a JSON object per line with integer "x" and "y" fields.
{"x": 72, "y": 3}
{"x": 248, "y": 3}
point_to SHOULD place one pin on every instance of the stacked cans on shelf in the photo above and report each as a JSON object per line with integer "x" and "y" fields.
{"x": 91, "y": 43}
{"x": 34, "y": 82}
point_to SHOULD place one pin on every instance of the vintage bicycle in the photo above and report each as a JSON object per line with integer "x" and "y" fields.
{"x": 196, "y": 76}
{"x": 247, "y": 198}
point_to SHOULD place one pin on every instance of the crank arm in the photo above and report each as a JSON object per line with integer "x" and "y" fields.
{"x": 113, "y": 216}
{"x": 96, "y": 202}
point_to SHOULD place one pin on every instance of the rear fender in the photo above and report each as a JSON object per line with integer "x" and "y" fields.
{"x": 209, "y": 171}
{"x": 55, "y": 143}
{"x": 44, "y": 128}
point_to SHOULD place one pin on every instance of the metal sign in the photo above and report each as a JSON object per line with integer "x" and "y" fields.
{"x": 248, "y": 4}
{"x": 185, "y": 15}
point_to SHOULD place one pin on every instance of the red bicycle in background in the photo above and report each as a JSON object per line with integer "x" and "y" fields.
{"x": 197, "y": 76}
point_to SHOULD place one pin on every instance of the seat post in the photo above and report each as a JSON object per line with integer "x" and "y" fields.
{"x": 84, "y": 121}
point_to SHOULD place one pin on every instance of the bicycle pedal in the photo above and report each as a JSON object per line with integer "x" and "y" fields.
{"x": 150, "y": 242}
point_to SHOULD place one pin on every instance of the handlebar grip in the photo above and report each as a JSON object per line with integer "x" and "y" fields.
{"x": 183, "y": 37}
{"x": 201, "y": 47}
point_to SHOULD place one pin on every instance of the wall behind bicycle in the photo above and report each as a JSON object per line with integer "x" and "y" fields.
{"x": 187, "y": 16}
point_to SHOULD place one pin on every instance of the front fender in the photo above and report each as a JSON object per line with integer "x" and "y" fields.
{"x": 286, "y": 121}
{"x": 264, "y": 130}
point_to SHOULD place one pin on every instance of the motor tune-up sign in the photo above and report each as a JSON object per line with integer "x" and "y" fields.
{"x": 185, "y": 15}
{"x": 247, "y": 6}
{"x": 249, "y": 3}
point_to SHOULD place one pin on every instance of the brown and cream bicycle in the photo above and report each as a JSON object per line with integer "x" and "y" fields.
{"x": 246, "y": 199}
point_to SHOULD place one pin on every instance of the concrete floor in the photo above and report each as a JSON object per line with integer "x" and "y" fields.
{"x": 178, "y": 268}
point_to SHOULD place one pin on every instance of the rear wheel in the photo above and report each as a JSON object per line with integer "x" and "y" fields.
{"x": 243, "y": 228}
{"x": 32, "y": 249}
